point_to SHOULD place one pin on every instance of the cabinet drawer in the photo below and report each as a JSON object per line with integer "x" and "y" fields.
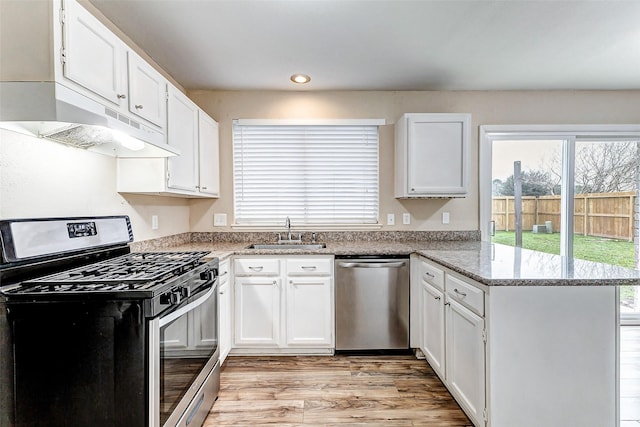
{"x": 309, "y": 266}
{"x": 432, "y": 274}
{"x": 467, "y": 294}
{"x": 223, "y": 272}
{"x": 256, "y": 267}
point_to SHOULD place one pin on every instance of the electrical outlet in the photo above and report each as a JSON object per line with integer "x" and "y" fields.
{"x": 154, "y": 222}
{"x": 391, "y": 219}
{"x": 406, "y": 218}
{"x": 445, "y": 217}
{"x": 219, "y": 219}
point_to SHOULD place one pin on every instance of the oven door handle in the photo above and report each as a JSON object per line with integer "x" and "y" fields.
{"x": 182, "y": 310}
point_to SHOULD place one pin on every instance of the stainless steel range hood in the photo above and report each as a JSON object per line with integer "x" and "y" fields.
{"x": 53, "y": 111}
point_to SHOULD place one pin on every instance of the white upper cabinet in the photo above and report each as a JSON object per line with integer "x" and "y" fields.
{"x": 97, "y": 60}
{"x": 93, "y": 56}
{"x": 431, "y": 155}
{"x": 195, "y": 172}
{"x": 182, "y": 133}
{"x": 147, "y": 90}
{"x": 208, "y": 146}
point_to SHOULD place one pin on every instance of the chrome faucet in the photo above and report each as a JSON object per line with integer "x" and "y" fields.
{"x": 287, "y": 225}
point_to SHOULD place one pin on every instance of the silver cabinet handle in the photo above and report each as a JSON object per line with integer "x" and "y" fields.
{"x": 224, "y": 273}
{"x": 204, "y": 188}
{"x": 459, "y": 293}
{"x": 430, "y": 275}
{"x": 139, "y": 107}
{"x": 121, "y": 96}
{"x": 221, "y": 292}
{"x": 437, "y": 298}
{"x": 372, "y": 264}
{"x": 259, "y": 268}
{"x": 308, "y": 267}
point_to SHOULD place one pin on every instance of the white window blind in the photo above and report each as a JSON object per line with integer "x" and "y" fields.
{"x": 314, "y": 174}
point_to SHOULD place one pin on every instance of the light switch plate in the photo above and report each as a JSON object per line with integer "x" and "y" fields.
{"x": 391, "y": 219}
{"x": 406, "y": 218}
{"x": 154, "y": 222}
{"x": 219, "y": 219}
{"x": 445, "y": 217}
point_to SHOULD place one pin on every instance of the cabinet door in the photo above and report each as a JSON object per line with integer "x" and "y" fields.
{"x": 224, "y": 325}
{"x": 182, "y": 131}
{"x": 309, "y": 314}
{"x": 465, "y": 365}
{"x": 257, "y": 311}
{"x": 209, "y": 157}
{"x": 437, "y": 151}
{"x": 147, "y": 91}
{"x": 94, "y": 56}
{"x": 433, "y": 327}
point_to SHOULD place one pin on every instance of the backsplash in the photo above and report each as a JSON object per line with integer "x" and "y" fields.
{"x": 325, "y": 237}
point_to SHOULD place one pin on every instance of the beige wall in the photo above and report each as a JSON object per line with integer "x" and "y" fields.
{"x": 486, "y": 108}
{"x": 40, "y": 178}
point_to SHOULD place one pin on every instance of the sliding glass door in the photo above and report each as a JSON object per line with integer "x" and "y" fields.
{"x": 567, "y": 192}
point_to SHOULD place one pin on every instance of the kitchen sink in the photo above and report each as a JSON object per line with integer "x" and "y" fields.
{"x": 303, "y": 246}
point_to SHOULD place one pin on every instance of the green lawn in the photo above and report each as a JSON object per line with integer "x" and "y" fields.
{"x": 609, "y": 251}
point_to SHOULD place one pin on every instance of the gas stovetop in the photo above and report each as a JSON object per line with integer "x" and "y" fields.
{"x": 132, "y": 272}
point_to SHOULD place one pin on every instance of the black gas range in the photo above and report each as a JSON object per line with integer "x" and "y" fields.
{"x": 92, "y": 334}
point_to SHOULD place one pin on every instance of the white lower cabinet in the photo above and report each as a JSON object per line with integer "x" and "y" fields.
{"x": 283, "y": 304}
{"x": 224, "y": 311}
{"x": 433, "y": 327}
{"x": 465, "y": 359}
{"x": 309, "y": 315}
{"x": 257, "y": 311}
{"x": 452, "y": 329}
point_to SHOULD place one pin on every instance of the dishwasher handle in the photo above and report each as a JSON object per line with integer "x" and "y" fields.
{"x": 393, "y": 264}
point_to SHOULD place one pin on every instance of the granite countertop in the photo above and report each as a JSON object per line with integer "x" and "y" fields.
{"x": 501, "y": 265}
{"x": 489, "y": 264}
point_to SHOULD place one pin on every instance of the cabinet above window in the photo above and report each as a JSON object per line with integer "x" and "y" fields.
{"x": 432, "y": 155}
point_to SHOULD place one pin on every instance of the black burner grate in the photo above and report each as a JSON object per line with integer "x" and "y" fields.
{"x": 132, "y": 271}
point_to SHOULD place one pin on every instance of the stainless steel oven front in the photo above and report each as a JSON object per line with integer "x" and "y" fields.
{"x": 184, "y": 368}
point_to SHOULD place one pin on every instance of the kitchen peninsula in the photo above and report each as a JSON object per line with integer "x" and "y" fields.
{"x": 521, "y": 337}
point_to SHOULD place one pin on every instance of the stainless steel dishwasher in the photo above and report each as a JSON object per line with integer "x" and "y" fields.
{"x": 372, "y": 303}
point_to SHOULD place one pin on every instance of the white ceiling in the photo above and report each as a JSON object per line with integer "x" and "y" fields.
{"x": 388, "y": 44}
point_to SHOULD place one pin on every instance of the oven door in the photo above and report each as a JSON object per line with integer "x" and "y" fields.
{"x": 184, "y": 368}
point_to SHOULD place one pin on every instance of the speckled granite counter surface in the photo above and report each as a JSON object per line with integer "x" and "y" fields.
{"x": 490, "y": 264}
{"x": 500, "y": 265}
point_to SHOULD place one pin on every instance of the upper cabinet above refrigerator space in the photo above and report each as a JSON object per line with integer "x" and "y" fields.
{"x": 432, "y": 155}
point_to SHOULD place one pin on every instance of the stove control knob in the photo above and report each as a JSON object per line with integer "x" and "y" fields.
{"x": 206, "y": 275}
{"x": 185, "y": 292}
{"x": 175, "y": 297}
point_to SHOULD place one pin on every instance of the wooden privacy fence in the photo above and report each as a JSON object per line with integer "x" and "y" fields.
{"x": 609, "y": 215}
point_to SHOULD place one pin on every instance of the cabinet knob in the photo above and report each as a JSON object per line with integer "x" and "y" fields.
{"x": 139, "y": 107}
{"x": 204, "y": 188}
{"x": 121, "y": 96}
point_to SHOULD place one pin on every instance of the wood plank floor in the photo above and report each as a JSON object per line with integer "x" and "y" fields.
{"x": 375, "y": 391}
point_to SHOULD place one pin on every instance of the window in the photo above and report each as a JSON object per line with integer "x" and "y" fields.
{"x": 315, "y": 174}
{"x": 578, "y": 194}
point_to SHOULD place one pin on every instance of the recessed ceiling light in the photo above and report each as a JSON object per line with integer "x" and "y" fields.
{"x": 300, "y": 78}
